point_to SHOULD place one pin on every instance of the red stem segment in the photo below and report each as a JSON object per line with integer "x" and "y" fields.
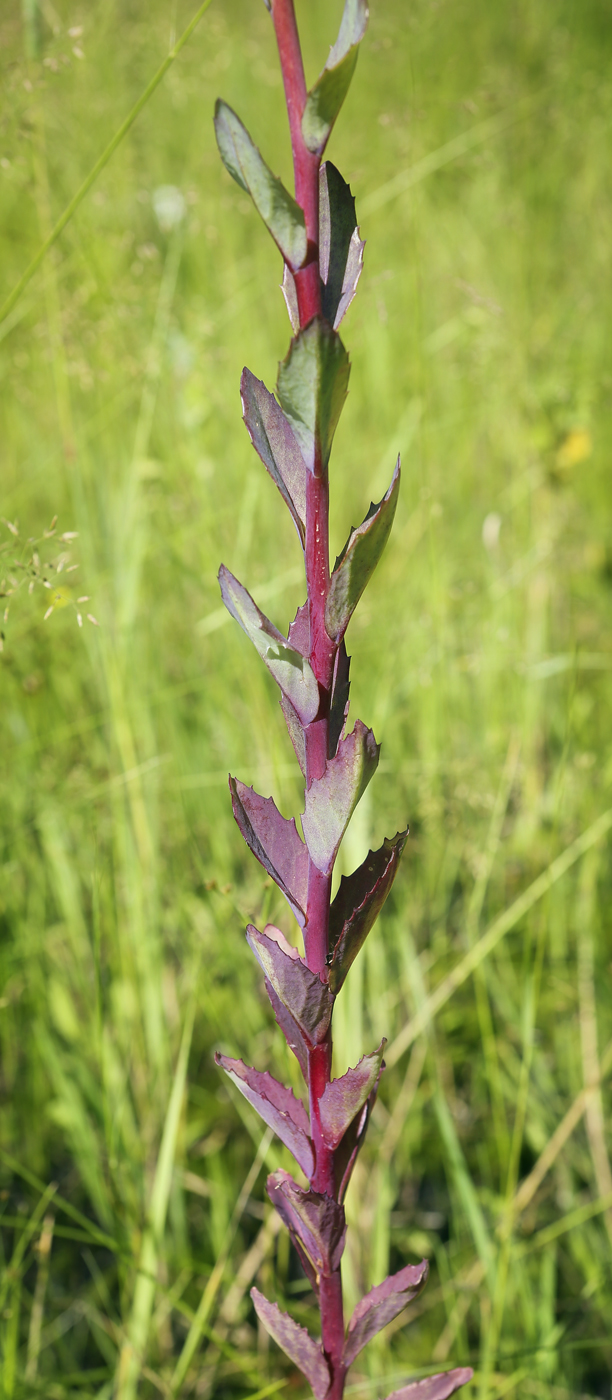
{"x": 322, "y": 651}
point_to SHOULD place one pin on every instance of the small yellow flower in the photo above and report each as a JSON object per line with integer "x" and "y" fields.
{"x": 575, "y": 448}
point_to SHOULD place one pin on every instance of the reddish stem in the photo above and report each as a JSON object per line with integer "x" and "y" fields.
{"x": 321, "y": 656}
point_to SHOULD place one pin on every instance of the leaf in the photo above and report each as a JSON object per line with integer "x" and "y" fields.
{"x": 342, "y": 1099}
{"x": 339, "y": 703}
{"x": 332, "y": 799}
{"x": 278, "y": 1107}
{"x": 289, "y": 291}
{"x": 340, "y": 247}
{"x": 290, "y": 670}
{"x": 295, "y": 731}
{"x": 281, "y": 214}
{"x": 274, "y": 440}
{"x": 290, "y": 1029}
{"x": 381, "y": 1305}
{"x": 275, "y": 842}
{"x": 358, "y": 561}
{"x": 346, "y": 1154}
{"x": 312, "y": 386}
{"x": 435, "y": 1387}
{"x": 299, "y": 631}
{"x": 305, "y": 996}
{"x": 316, "y": 1221}
{"x": 326, "y": 97}
{"x": 357, "y": 905}
{"x": 296, "y": 1342}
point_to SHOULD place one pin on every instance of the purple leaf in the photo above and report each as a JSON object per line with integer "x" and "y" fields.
{"x": 278, "y": 1107}
{"x": 289, "y": 292}
{"x": 295, "y": 731}
{"x": 318, "y": 1222}
{"x": 290, "y": 1029}
{"x": 283, "y": 218}
{"x": 296, "y": 1342}
{"x": 274, "y": 840}
{"x": 355, "y": 566}
{"x": 274, "y": 440}
{"x": 381, "y": 1305}
{"x": 290, "y": 670}
{"x": 305, "y": 996}
{"x": 299, "y": 631}
{"x": 435, "y": 1387}
{"x": 346, "y": 1154}
{"x": 332, "y": 799}
{"x": 357, "y": 905}
{"x": 312, "y": 387}
{"x": 340, "y": 247}
{"x": 342, "y": 1099}
{"x": 339, "y": 704}
{"x": 326, "y": 97}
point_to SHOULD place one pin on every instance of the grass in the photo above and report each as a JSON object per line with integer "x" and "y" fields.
{"x": 134, "y": 1217}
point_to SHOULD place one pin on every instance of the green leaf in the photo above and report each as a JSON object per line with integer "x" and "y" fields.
{"x": 358, "y": 561}
{"x": 281, "y": 214}
{"x": 340, "y": 247}
{"x": 325, "y": 100}
{"x": 312, "y": 386}
{"x": 332, "y": 799}
{"x": 291, "y": 671}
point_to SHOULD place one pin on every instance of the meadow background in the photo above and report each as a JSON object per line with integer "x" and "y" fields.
{"x": 476, "y": 138}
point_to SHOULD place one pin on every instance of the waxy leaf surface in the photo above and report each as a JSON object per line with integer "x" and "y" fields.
{"x": 435, "y": 1387}
{"x": 357, "y": 905}
{"x": 381, "y": 1305}
{"x": 318, "y": 1222}
{"x": 326, "y": 97}
{"x": 340, "y": 247}
{"x": 274, "y": 840}
{"x": 312, "y": 387}
{"x": 274, "y": 440}
{"x": 305, "y": 996}
{"x": 281, "y": 214}
{"x": 342, "y": 1099}
{"x": 332, "y": 799}
{"x": 346, "y": 1154}
{"x": 296, "y": 1342}
{"x": 290, "y": 1029}
{"x": 358, "y": 560}
{"x": 290, "y": 670}
{"x": 277, "y": 1105}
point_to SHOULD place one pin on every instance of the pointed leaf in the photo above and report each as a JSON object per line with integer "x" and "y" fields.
{"x": 312, "y": 387}
{"x": 274, "y": 440}
{"x": 277, "y": 1105}
{"x": 290, "y": 670}
{"x": 299, "y": 631}
{"x": 296, "y": 1342}
{"x": 357, "y": 905}
{"x": 339, "y": 703}
{"x": 332, "y": 799}
{"x": 340, "y": 247}
{"x": 289, "y": 291}
{"x": 274, "y": 840}
{"x": 381, "y": 1305}
{"x": 303, "y": 993}
{"x": 346, "y": 1154}
{"x": 325, "y": 100}
{"x": 343, "y": 1099}
{"x": 281, "y": 214}
{"x": 290, "y": 1029}
{"x": 295, "y": 731}
{"x": 435, "y": 1387}
{"x": 318, "y": 1222}
{"x": 358, "y": 561}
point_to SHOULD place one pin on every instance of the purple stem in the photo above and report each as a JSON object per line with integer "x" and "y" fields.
{"x": 322, "y": 653}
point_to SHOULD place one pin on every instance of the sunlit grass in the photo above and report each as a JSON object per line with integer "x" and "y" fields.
{"x": 476, "y": 139}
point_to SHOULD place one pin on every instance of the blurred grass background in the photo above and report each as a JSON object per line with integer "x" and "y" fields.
{"x": 476, "y": 139}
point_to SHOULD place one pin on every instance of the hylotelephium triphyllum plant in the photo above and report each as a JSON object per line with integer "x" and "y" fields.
{"x": 318, "y": 237}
